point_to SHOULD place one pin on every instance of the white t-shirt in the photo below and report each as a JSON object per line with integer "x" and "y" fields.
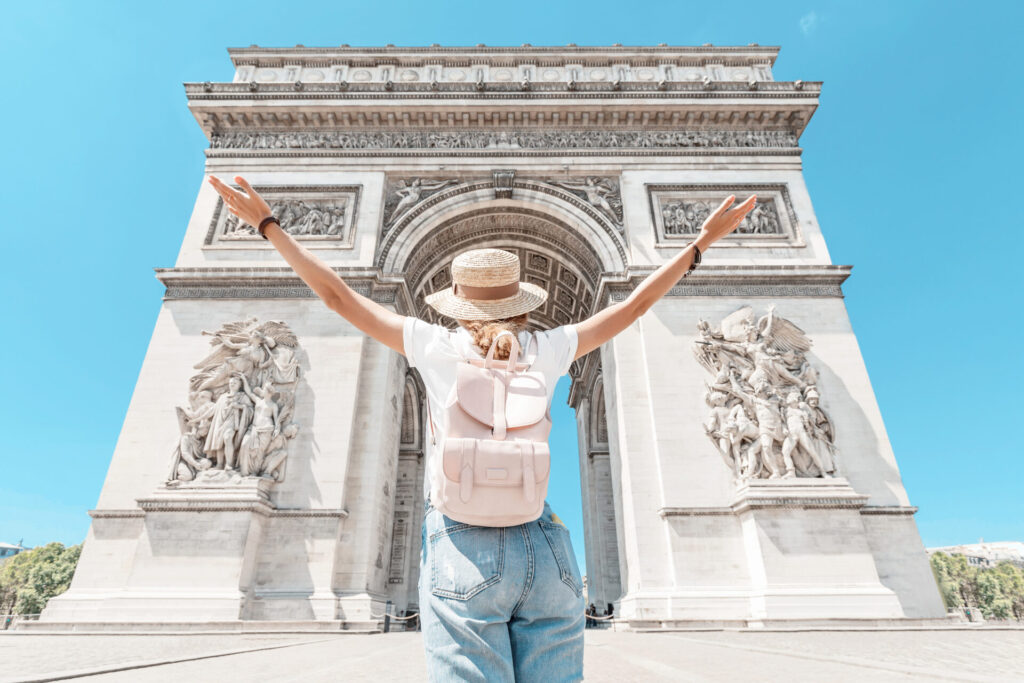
{"x": 435, "y": 351}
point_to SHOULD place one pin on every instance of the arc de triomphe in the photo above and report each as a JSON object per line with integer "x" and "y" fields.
{"x": 734, "y": 462}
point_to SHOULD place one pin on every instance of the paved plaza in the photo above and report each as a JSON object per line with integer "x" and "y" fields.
{"x": 975, "y": 654}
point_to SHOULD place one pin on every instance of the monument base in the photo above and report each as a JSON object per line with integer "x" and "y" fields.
{"x": 804, "y": 558}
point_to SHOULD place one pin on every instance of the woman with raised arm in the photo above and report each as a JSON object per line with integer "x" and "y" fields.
{"x": 496, "y": 603}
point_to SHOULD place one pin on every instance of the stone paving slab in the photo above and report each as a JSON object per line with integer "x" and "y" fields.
{"x": 834, "y": 656}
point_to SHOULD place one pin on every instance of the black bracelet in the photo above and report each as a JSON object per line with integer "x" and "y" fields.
{"x": 263, "y": 225}
{"x": 695, "y": 261}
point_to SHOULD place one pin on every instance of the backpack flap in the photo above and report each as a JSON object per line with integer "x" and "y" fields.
{"x": 493, "y": 397}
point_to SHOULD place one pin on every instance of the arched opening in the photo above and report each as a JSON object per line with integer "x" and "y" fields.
{"x": 566, "y": 251}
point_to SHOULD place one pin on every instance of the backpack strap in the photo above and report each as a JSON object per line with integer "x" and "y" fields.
{"x": 513, "y": 355}
{"x": 430, "y": 418}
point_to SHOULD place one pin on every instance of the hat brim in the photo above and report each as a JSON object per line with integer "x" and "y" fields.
{"x": 445, "y": 302}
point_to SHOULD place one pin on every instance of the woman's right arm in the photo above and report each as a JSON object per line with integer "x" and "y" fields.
{"x": 608, "y": 322}
{"x": 366, "y": 314}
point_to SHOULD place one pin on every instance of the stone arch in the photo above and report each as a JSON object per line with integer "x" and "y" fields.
{"x": 564, "y": 244}
{"x": 411, "y": 436}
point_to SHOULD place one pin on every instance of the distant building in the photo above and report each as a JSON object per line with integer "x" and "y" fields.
{"x": 8, "y": 551}
{"x": 986, "y": 555}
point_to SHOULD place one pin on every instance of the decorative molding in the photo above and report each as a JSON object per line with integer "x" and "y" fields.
{"x": 696, "y": 512}
{"x": 678, "y": 211}
{"x": 315, "y": 513}
{"x": 497, "y": 153}
{"x": 524, "y": 139}
{"x": 503, "y": 180}
{"x": 745, "y": 281}
{"x": 800, "y": 493}
{"x": 186, "y": 505}
{"x": 538, "y": 90}
{"x": 802, "y": 503}
{"x": 289, "y": 513}
{"x": 503, "y": 55}
{"x": 895, "y": 510}
{"x": 318, "y": 216}
{"x": 266, "y": 282}
{"x": 117, "y": 514}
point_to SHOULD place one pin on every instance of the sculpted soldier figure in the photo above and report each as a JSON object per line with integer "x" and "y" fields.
{"x": 231, "y": 416}
{"x": 797, "y": 419}
{"x": 822, "y": 430}
{"x": 194, "y": 424}
{"x": 715, "y": 427}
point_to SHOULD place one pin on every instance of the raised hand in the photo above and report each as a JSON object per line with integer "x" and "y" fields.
{"x": 724, "y": 220}
{"x": 248, "y": 206}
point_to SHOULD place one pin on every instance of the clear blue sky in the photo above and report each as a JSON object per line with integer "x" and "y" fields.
{"x": 912, "y": 161}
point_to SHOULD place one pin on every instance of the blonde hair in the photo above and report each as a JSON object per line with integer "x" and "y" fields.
{"x": 484, "y": 332}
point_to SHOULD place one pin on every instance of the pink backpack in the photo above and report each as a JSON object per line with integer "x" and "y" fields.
{"x": 495, "y": 459}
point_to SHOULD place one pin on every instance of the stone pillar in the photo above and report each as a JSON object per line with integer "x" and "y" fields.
{"x": 360, "y": 575}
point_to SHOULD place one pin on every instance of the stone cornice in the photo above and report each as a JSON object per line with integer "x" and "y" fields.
{"x": 198, "y": 91}
{"x": 897, "y": 510}
{"x": 771, "y": 105}
{"x": 761, "y": 280}
{"x": 631, "y": 153}
{"x": 208, "y": 507}
{"x": 261, "y": 282}
{"x": 505, "y": 55}
{"x": 276, "y": 282}
{"x": 728, "y": 511}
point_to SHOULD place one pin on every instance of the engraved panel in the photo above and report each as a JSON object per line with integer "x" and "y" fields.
{"x": 539, "y": 263}
{"x": 319, "y": 216}
{"x": 679, "y": 211}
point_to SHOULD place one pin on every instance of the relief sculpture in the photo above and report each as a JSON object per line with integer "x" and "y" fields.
{"x": 685, "y": 217}
{"x": 239, "y": 419}
{"x": 298, "y": 217}
{"x": 765, "y": 418}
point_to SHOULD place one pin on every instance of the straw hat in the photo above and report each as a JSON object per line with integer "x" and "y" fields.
{"x": 486, "y": 286}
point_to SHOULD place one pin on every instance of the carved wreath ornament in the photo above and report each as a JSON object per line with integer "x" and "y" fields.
{"x": 765, "y": 418}
{"x": 239, "y": 419}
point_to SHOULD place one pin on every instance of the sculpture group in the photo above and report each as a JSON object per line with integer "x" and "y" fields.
{"x": 765, "y": 414}
{"x": 238, "y": 422}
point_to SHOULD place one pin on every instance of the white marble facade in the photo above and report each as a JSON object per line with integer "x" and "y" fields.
{"x": 593, "y": 164}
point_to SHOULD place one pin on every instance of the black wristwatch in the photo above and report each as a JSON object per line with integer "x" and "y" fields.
{"x": 263, "y": 225}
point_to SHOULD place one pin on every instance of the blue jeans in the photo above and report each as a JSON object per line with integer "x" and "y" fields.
{"x": 500, "y": 603}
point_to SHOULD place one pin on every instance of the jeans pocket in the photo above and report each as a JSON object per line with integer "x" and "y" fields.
{"x": 465, "y": 559}
{"x": 561, "y": 546}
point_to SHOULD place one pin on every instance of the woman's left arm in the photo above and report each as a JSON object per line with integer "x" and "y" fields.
{"x": 370, "y": 317}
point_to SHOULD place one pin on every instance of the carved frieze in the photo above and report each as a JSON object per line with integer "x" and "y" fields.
{"x": 518, "y": 139}
{"x": 765, "y": 416}
{"x": 679, "y": 211}
{"x": 321, "y": 216}
{"x": 238, "y": 423}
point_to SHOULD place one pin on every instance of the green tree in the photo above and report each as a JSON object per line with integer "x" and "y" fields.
{"x": 32, "y": 577}
{"x": 998, "y": 592}
{"x": 949, "y": 588}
